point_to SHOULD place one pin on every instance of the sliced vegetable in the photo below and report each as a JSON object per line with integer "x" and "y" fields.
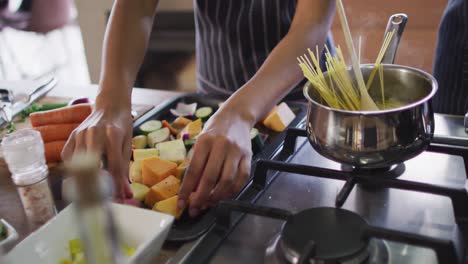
{"x": 65, "y": 115}
{"x": 135, "y": 171}
{"x": 190, "y": 154}
{"x": 155, "y": 170}
{"x": 53, "y": 150}
{"x": 185, "y": 136}
{"x": 56, "y": 132}
{"x": 150, "y": 126}
{"x": 279, "y": 118}
{"x": 75, "y": 248}
{"x": 184, "y": 109}
{"x": 174, "y": 151}
{"x": 139, "y": 191}
{"x": 162, "y": 190}
{"x": 158, "y": 136}
{"x": 80, "y": 259}
{"x": 204, "y": 113}
{"x": 173, "y": 131}
{"x": 169, "y": 206}
{"x": 257, "y": 142}
{"x": 181, "y": 122}
{"x": 193, "y": 128}
{"x": 140, "y": 154}
{"x": 76, "y": 101}
{"x": 189, "y": 143}
{"x": 128, "y": 251}
{"x": 139, "y": 142}
{"x": 3, "y": 231}
{"x": 180, "y": 171}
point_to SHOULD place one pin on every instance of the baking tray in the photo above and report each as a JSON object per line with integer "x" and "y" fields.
{"x": 186, "y": 228}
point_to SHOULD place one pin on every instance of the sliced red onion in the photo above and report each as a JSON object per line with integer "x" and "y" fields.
{"x": 76, "y": 101}
{"x": 185, "y": 136}
{"x": 184, "y": 109}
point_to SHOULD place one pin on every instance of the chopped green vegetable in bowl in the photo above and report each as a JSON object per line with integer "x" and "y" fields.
{"x": 77, "y": 255}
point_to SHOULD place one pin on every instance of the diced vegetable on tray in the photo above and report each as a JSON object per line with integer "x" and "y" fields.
{"x": 162, "y": 190}
{"x": 169, "y": 206}
{"x": 204, "y": 113}
{"x": 279, "y": 118}
{"x": 158, "y": 136}
{"x": 184, "y": 109}
{"x": 163, "y": 150}
{"x": 140, "y": 142}
{"x": 172, "y": 151}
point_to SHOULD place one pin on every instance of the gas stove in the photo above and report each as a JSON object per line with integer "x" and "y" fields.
{"x": 303, "y": 208}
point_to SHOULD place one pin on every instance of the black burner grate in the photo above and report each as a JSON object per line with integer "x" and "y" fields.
{"x": 445, "y": 249}
{"x": 228, "y": 211}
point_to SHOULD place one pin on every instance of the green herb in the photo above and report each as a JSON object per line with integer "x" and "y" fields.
{"x": 39, "y": 108}
{"x": 3, "y": 232}
{"x": 11, "y": 128}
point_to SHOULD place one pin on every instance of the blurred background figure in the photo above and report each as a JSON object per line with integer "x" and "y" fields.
{"x": 40, "y": 37}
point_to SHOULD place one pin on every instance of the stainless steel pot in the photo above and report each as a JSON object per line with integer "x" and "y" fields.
{"x": 376, "y": 139}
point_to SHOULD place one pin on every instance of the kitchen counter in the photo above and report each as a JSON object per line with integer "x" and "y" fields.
{"x": 10, "y": 205}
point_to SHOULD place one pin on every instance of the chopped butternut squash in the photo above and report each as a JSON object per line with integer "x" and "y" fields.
{"x": 181, "y": 169}
{"x": 155, "y": 170}
{"x": 279, "y": 118}
{"x": 169, "y": 206}
{"x": 162, "y": 190}
{"x": 193, "y": 128}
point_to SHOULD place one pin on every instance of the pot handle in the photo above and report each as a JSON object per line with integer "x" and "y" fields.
{"x": 396, "y": 22}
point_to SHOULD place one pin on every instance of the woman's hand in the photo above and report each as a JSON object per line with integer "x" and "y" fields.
{"x": 221, "y": 162}
{"x": 107, "y": 131}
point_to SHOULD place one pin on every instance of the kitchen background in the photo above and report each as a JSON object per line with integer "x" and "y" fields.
{"x": 73, "y": 50}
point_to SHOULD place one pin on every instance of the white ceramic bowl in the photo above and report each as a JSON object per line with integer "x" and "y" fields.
{"x": 12, "y": 235}
{"x": 142, "y": 229}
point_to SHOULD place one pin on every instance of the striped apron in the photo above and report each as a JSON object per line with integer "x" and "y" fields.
{"x": 451, "y": 60}
{"x": 233, "y": 39}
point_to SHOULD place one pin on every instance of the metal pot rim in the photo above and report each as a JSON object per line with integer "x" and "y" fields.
{"x": 398, "y": 109}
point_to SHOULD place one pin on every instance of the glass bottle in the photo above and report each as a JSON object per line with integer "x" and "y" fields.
{"x": 23, "y": 152}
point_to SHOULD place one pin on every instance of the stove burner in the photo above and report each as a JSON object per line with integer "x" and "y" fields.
{"x": 378, "y": 252}
{"x": 337, "y": 234}
{"x": 386, "y": 172}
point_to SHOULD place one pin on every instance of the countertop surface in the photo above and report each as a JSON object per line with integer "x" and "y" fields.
{"x": 10, "y": 205}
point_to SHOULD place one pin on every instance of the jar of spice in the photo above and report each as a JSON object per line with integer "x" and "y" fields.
{"x": 23, "y": 151}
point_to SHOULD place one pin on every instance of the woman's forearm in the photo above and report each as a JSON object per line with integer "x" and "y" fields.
{"x": 280, "y": 72}
{"x": 125, "y": 43}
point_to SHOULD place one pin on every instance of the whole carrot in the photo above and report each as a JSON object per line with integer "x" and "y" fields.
{"x": 53, "y": 150}
{"x": 56, "y": 132}
{"x": 66, "y": 115}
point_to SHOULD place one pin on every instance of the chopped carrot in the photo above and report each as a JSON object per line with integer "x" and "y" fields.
{"x": 66, "y": 115}
{"x": 53, "y": 150}
{"x": 173, "y": 131}
{"x": 56, "y": 132}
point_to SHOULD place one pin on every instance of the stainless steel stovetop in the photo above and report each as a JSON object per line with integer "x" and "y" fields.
{"x": 414, "y": 212}
{"x": 407, "y": 211}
